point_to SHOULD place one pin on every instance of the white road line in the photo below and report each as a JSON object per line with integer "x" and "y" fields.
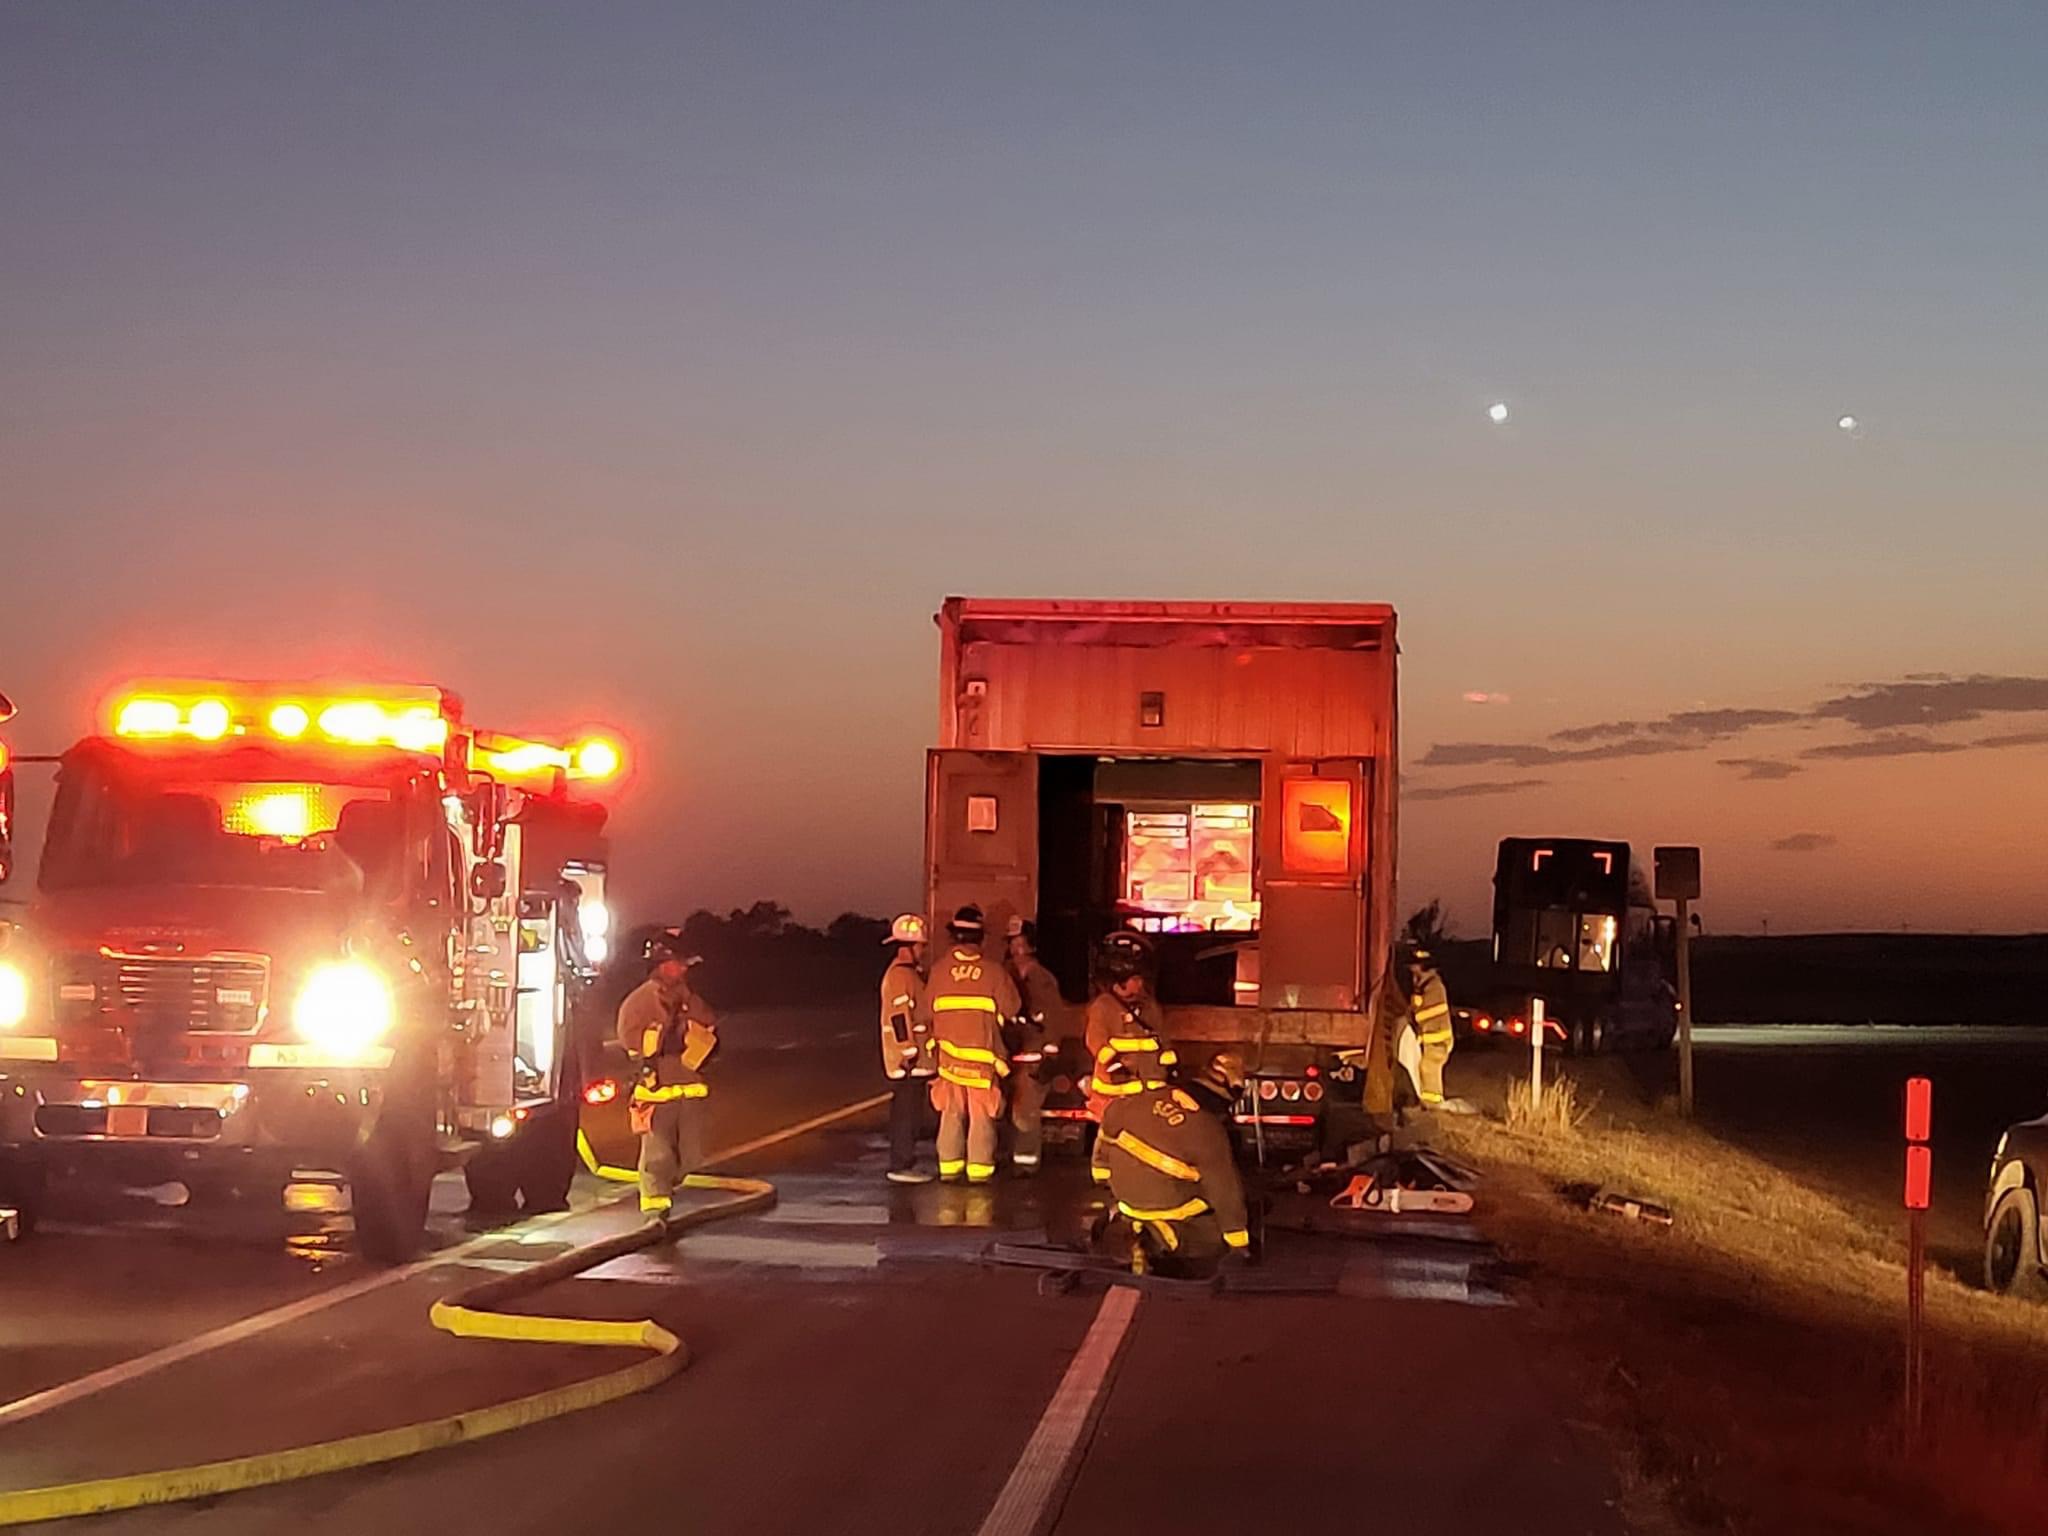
{"x": 1040, "y": 1478}
{"x": 96, "y": 1382}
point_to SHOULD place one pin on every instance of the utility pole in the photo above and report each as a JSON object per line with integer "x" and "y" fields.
{"x": 1678, "y": 879}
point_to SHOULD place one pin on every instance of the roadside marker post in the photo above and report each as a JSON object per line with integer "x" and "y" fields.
{"x": 1919, "y": 1189}
{"x": 1535, "y": 1056}
{"x": 1678, "y": 880}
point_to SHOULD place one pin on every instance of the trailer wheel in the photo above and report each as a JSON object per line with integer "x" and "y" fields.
{"x": 2012, "y": 1247}
{"x": 24, "y": 1187}
{"x": 392, "y": 1177}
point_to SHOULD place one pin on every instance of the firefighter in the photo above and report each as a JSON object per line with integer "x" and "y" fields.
{"x": 906, "y": 1046}
{"x": 1172, "y": 1173}
{"x": 1430, "y": 1008}
{"x": 1124, "y": 1032}
{"x": 966, "y": 1001}
{"x": 1040, "y": 1018}
{"x": 670, "y": 1031}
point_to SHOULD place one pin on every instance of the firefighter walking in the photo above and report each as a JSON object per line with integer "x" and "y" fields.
{"x": 1040, "y": 1019}
{"x": 1124, "y": 1031}
{"x": 1172, "y": 1173}
{"x": 965, "y": 1003}
{"x": 906, "y": 1046}
{"x": 669, "y": 1031}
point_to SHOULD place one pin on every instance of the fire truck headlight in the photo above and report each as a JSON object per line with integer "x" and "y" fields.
{"x": 345, "y": 1007}
{"x": 13, "y": 995}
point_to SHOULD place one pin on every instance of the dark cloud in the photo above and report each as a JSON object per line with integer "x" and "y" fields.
{"x": 1471, "y": 791}
{"x": 1897, "y": 744}
{"x": 1922, "y": 700}
{"x": 1721, "y": 722}
{"x": 1804, "y": 842}
{"x": 1894, "y": 713}
{"x": 1611, "y": 730}
{"x": 1760, "y": 769}
{"x": 1474, "y": 754}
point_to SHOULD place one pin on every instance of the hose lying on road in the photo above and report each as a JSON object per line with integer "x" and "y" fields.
{"x": 470, "y": 1313}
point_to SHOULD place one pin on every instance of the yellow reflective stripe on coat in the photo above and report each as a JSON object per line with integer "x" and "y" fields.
{"x": 1180, "y": 1212}
{"x": 965, "y": 1079}
{"x": 1437, "y": 1037}
{"x": 1238, "y": 1239}
{"x": 963, "y": 1003}
{"x": 1432, "y": 1013}
{"x": 668, "y": 1095}
{"x": 966, "y": 1052}
{"x": 1115, "y": 1090}
{"x": 1130, "y": 1043}
{"x": 1152, "y": 1157}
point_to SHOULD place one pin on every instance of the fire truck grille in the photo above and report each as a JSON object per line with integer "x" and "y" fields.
{"x": 214, "y": 995}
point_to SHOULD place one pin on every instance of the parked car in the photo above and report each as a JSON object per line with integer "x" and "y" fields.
{"x": 2014, "y": 1262}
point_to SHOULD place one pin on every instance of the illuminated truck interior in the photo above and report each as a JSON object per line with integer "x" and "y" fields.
{"x": 1168, "y": 847}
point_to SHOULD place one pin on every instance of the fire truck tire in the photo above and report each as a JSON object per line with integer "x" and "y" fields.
{"x": 547, "y": 1165}
{"x": 391, "y": 1180}
{"x": 492, "y": 1175}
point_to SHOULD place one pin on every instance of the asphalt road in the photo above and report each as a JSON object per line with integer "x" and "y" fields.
{"x": 856, "y": 1366}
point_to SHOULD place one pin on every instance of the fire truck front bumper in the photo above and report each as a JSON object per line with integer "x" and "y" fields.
{"x": 297, "y": 1115}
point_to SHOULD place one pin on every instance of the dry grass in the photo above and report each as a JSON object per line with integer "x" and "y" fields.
{"x": 1750, "y": 1355}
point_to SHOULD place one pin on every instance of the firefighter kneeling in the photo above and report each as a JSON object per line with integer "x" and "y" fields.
{"x": 670, "y": 1031}
{"x": 1168, "y": 1152}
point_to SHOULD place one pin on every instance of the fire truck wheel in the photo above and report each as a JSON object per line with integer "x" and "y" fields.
{"x": 391, "y": 1180}
{"x": 492, "y": 1175}
{"x": 549, "y": 1160}
{"x": 24, "y": 1184}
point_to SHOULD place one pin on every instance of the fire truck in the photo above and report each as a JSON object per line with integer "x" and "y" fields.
{"x": 285, "y": 932}
{"x": 1220, "y": 777}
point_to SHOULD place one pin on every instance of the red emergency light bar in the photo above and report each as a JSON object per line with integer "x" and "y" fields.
{"x": 410, "y": 718}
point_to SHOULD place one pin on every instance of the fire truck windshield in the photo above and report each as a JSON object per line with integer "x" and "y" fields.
{"x": 175, "y": 823}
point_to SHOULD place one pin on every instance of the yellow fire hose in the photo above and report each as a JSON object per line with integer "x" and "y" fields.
{"x": 469, "y": 1314}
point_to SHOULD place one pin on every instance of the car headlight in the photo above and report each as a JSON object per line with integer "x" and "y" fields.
{"x": 345, "y": 1007}
{"x": 13, "y": 994}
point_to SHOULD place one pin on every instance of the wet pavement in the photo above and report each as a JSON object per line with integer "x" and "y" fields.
{"x": 866, "y": 1358}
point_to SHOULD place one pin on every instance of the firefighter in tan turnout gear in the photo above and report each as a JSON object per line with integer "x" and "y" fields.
{"x": 1430, "y": 1007}
{"x": 1172, "y": 1173}
{"x": 966, "y": 1001}
{"x": 1042, "y": 1018}
{"x": 1124, "y": 1031}
{"x": 669, "y": 1031}
{"x": 906, "y": 1046}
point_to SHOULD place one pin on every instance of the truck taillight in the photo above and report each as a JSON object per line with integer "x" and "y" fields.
{"x": 1290, "y": 1091}
{"x": 1313, "y": 1092}
{"x": 601, "y": 1093}
{"x": 1268, "y": 1089}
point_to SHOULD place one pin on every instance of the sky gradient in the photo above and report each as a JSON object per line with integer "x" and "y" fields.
{"x": 666, "y": 365}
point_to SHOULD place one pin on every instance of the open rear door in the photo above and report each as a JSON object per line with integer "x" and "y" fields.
{"x": 1312, "y": 924}
{"x": 981, "y": 834}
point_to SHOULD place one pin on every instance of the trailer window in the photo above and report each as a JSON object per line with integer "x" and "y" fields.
{"x": 1315, "y": 837}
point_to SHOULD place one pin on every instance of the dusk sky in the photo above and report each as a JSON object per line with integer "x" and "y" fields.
{"x": 665, "y": 365}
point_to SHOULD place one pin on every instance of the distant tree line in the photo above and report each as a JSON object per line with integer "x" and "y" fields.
{"x": 761, "y": 956}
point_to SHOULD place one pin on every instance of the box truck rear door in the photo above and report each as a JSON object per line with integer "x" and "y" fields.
{"x": 981, "y": 834}
{"x": 1313, "y": 921}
